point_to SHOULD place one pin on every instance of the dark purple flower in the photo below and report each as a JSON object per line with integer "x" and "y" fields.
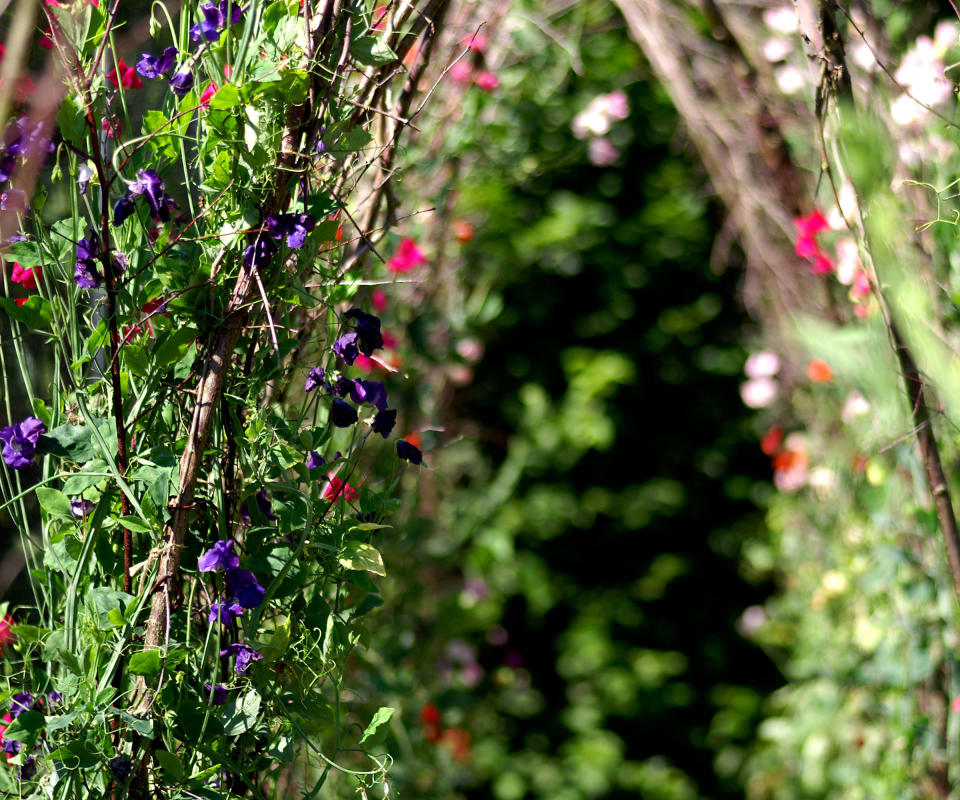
{"x": 220, "y": 556}
{"x": 314, "y": 378}
{"x": 8, "y": 163}
{"x": 85, "y": 272}
{"x": 346, "y": 348}
{"x": 263, "y": 504}
{"x": 343, "y": 414}
{"x": 341, "y": 386}
{"x": 122, "y": 767}
{"x": 314, "y": 460}
{"x": 368, "y": 331}
{"x": 182, "y": 82}
{"x": 20, "y": 442}
{"x": 224, "y": 611}
{"x": 150, "y": 185}
{"x": 219, "y": 694}
{"x": 215, "y": 19}
{"x": 384, "y": 421}
{"x": 372, "y": 392}
{"x": 408, "y": 452}
{"x": 13, "y": 200}
{"x": 242, "y": 584}
{"x": 10, "y": 746}
{"x": 258, "y": 254}
{"x": 122, "y": 209}
{"x": 26, "y": 770}
{"x": 81, "y": 507}
{"x": 232, "y": 11}
{"x": 245, "y": 654}
{"x": 294, "y": 226}
{"x": 54, "y": 698}
{"x": 150, "y": 66}
{"x": 20, "y": 702}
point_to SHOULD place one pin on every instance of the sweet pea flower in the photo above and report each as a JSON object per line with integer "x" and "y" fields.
{"x": 207, "y": 95}
{"x": 13, "y": 200}
{"x": 258, "y": 254}
{"x": 121, "y": 767}
{"x": 242, "y": 584}
{"x": 294, "y": 226}
{"x": 28, "y": 277}
{"x": 337, "y": 488}
{"x": 151, "y": 66}
{"x": 122, "y": 209}
{"x": 85, "y": 272}
{"x": 314, "y": 460}
{"x": 225, "y": 612}
{"x": 80, "y": 507}
{"x": 215, "y": 19}
{"x": 369, "y": 335}
{"x": 346, "y": 348}
{"x": 84, "y": 174}
{"x": 220, "y": 556}
{"x": 125, "y": 76}
{"x": 461, "y": 72}
{"x": 182, "y": 82}
{"x": 218, "y": 692}
{"x": 150, "y": 185}
{"x": 407, "y": 257}
{"x": 20, "y": 442}
{"x": 342, "y": 414}
{"x": 384, "y": 422}
{"x": 245, "y": 656}
{"x": 409, "y": 452}
{"x": 486, "y": 81}
{"x": 6, "y": 634}
{"x": 315, "y": 378}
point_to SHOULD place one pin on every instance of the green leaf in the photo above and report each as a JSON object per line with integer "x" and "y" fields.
{"x": 227, "y": 97}
{"x": 35, "y": 313}
{"x": 142, "y": 726}
{"x": 360, "y": 555}
{"x": 59, "y": 721}
{"x": 63, "y": 553}
{"x": 116, "y": 618}
{"x": 135, "y": 524}
{"x": 55, "y": 650}
{"x": 240, "y": 715}
{"x": 29, "y": 633}
{"x": 372, "y": 51}
{"x": 92, "y": 473}
{"x": 370, "y": 526}
{"x": 76, "y": 442}
{"x": 101, "y": 600}
{"x": 175, "y": 346}
{"x": 170, "y": 763}
{"x": 71, "y": 122}
{"x": 26, "y": 727}
{"x": 146, "y": 662}
{"x": 27, "y": 254}
{"x": 380, "y": 718}
{"x": 135, "y": 359}
{"x": 76, "y": 755}
{"x": 54, "y": 502}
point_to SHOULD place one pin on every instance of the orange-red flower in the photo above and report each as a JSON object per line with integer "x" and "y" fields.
{"x": 125, "y": 76}
{"x": 819, "y": 371}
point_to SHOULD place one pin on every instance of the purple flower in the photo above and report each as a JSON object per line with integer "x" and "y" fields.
{"x": 224, "y": 611}
{"x": 346, "y": 348}
{"x": 20, "y": 442}
{"x": 26, "y": 771}
{"x": 81, "y": 507}
{"x": 150, "y": 185}
{"x": 368, "y": 331}
{"x": 8, "y": 164}
{"x": 242, "y": 584}
{"x": 121, "y": 766}
{"x": 263, "y": 504}
{"x": 20, "y": 702}
{"x": 245, "y": 654}
{"x": 84, "y": 174}
{"x": 232, "y": 11}
{"x": 343, "y": 414}
{"x": 372, "y": 392}
{"x": 220, "y": 556}
{"x": 85, "y": 271}
{"x": 384, "y": 421}
{"x": 258, "y": 254}
{"x": 408, "y": 452}
{"x": 10, "y": 746}
{"x": 294, "y": 226}
{"x": 122, "y": 209}
{"x": 314, "y": 379}
{"x": 215, "y": 19}
{"x": 182, "y": 82}
{"x": 314, "y": 460}
{"x": 342, "y": 386}
{"x": 150, "y": 66}
{"x": 219, "y": 693}
{"x": 54, "y": 698}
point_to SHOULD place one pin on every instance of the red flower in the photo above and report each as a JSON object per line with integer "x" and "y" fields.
{"x": 6, "y": 636}
{"x": 46, "y": 41}
{"x": 771, "y": 441}
{"x": 125, "y": 76}
{"x": 336, "y": 488}
{"x": 407, "y": 257}
{"x": 811, "y": 225}
{"x": 806, "y": 246}
{"x": 208, "y": 94}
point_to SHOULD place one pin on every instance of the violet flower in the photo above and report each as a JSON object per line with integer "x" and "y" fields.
{"x": 215, "y": 19}
{"x": 314, "y": 379}
{"x": 294, "y": 226}
{"x": 242, "y": 584}
{"x": 219, "y": 694}
{"x": 121, "y": 767}
{"x": 346, "y": 348}
{"x": 150, "y": 185}
{"x": 314, "y": 460}
{"x": 182, "y": 82}
{"x": 220, "y": 556}
{"x": 224, "y": 612}
{"x": 150, "y": 66}
{"x": 245, "y": 655}
{"x": 13, "y": 200}
{"x": 81, "y": 507}
{"x": 85, "y": 272}
{"x": 372, "y": 392}
{"x": 258, "y": 254}
{"x": 20, "y": 442}
{"x": 264, "y": 506}
{"x": 84, "y": 174}
{"x": 122, "y": 209}
{"x": 20, "y": 702}
{"x": 369, "y": 337}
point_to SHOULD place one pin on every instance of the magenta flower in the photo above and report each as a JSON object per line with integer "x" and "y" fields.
{"x": 407, "y": 257}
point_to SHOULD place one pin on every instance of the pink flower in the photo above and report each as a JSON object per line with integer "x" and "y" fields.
{"x": 461, "y": 72}
{"x": 487, "y": 81}
{"x": 822, "y": 265}
{"x": 46, "y": 41}
{"x": 812, "y": 224}
{"x": 336, "y": 488}
{"x": 27, "y": 278}
{"x": 208, "y": 94}
{"x": 476, "y": 42}
{"x": 407, "y": 257}
{"x": 806, "y": 246}
{"x": 125, "y": 76}
{"x": 861, "y": 285}
{"x": 6, "y": 635}
{"x": 378, "y": 299}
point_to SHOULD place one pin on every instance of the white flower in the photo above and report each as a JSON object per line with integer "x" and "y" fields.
{"x": 848, "y": 260}
{"x": 759, "y": 392}
{"x": 863, "y": 56}
{"x": 764, "y": 364}
{"x": 782, "y": 19}
{"x": 790, "y": 79}
{"x": 855, "y": 405}
{"x": 777, "y": 49}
